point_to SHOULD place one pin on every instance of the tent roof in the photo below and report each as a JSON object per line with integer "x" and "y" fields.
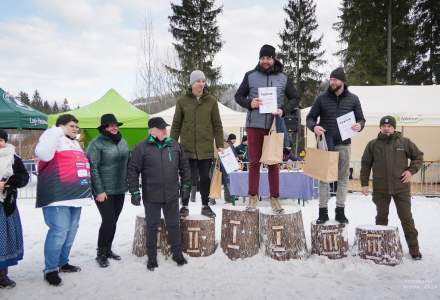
{"x": 15, "y": 114}
{"x": 411, "y": 105}
{"x": 229, "y": 117}
{"x": 89, "y": 116}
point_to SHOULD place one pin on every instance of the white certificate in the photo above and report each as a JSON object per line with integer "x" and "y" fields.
{"x": 229, "y": 160}
{"x": 269, "y": 97}
{"x": 344, "y": 124}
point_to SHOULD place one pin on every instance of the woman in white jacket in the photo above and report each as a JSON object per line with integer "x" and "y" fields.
{"x": 63, "y": 188}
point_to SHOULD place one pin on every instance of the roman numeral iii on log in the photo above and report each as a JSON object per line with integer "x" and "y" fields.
{"x": 329, "y": 239}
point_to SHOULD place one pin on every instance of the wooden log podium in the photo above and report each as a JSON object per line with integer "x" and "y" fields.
{"x": 329, "y": 239}
{"x": 198, "y": 235}
{"x": 140, "y": 238}
{"x": 239, "y": 236}
{"x": 378, "y": 243}
{"x": 282, "y": 235}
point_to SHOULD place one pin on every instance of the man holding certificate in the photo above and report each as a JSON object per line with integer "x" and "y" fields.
{"x": 340, "y": 117}
{"x": 262, "y": 93}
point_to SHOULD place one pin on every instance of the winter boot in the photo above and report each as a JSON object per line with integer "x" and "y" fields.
{"x": 5, "y": 281}
{"x": 101, "y": 257}
{"x": 340, "y": 215}
{"x": 179, "y": 259}
{"x": 112, "y": 255}
{"x": 193, "y": 193}
{"x": 67, "y": 268}
{"x": 152, "y": 263}
{"x": 253, "y": 201}
{"x": 53, "y": 278}
{"x": 184, "y": 212}
{"x": 276, "y": 206}
{"x": 323, "y": 215}
{"x": 207, "y": 211}
{"x": 212, "y": 201}
{"x": 415, "y": 252}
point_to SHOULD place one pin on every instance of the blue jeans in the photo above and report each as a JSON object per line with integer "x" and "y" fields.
{"x": 63, "y": 225}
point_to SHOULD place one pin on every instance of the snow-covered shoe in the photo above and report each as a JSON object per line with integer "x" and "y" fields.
{"x": 152, "y": 263}
{"x": 112, "y": 255}
{"x": 180, "y": 259}
{"x": 67, "y": 268}
{"x": 101, "y": 257}
{"x": 340, "y": 215}
{"x": 5, "y": 281}
{"x": 207, "y": 211}
{"x": 53, "y": 278}
{"x": 323, "y": 215}
{"x": 184, "y": 212}
{"x": 252, "y": 203}
{"x": 415, "y": 252}
{"x": 276, "y": 206}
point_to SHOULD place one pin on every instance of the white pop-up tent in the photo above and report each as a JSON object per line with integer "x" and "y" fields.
{"x": 233, "y": 121}
{"x": 416, "y": 109}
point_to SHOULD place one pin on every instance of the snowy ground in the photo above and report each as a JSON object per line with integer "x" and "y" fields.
{"x": 217, "y": 277}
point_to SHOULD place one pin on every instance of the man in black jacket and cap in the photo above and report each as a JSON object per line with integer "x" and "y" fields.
{"x": 333, "y": 103}
{"x": 160, "y": 161}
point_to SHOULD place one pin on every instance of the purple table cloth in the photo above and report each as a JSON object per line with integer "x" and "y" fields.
{"x": 293, "y": 184}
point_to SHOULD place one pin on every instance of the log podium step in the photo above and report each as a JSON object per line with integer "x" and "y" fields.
{"x": 239, "y": 234}
{"x": 140, "y": 238}
{"x": 329, "y": 239}
{"x": 198, "y": 235}
{"x": 282, "y": 235}
{"x": 378, "y": 243}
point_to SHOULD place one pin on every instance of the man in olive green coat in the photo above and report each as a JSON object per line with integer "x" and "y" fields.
{"x": 197, "y": 122}
{"x": 388, "y": 156}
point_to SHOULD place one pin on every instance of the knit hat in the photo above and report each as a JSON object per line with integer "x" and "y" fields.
{"x": 3, "y": 135}
{"x": 232, "y": 137}
{"x": 338, "y": 73}
{"x": 267, "y": 50}
{"x": 388, "y": 120}
{"x": 196, "y": 75}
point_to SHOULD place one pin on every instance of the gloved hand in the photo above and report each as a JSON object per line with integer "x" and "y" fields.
{"x": 136, "y": 198}
{"x": 185, "y": 192}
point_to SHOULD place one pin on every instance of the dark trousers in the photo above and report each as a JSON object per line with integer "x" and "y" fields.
{"x": 403, "y": 207}
{"x": 200, "y": 168}
{"x": 172, "y": 222}
{"x": 110, "y": 210}
{"x": 255, "y": 148}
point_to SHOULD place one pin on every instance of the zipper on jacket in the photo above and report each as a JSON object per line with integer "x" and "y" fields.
{"x": 195, "y": 130}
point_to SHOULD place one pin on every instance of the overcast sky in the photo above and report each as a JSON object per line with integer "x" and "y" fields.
{"x": 79, "y": 49}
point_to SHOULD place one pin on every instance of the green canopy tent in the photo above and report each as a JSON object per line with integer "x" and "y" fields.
{"x": 135, "y": 120}
{"x": 16, "y": 115}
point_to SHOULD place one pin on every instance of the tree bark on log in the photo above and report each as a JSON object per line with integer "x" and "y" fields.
{"x": 329, "y": 239}
{"x": 378, "y": 243}
{"x": 282, "y": 235}
{"x": 239, "y": 237}
{"x": 198, "y": 235}
{"x": 140, "y": 238}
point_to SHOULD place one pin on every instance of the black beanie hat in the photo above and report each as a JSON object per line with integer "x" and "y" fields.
{"x": 231, "y": 137}
{"x": 267, "y": 50}
{"x": 338, "y": 73}
{"x": 3, "y": 135}
{"x": 388, "y": 120}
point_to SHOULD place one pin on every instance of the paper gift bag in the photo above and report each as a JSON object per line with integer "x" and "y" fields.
{"x": 215, "y": 190}
{"x": 272, "y": 153}
{"x": 321, "y": 163}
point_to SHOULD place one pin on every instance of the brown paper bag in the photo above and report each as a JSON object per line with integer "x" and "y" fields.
{"x": 321, "y": 163}
{"x": 272, "y": 153}
{"x": 215, "y": 189}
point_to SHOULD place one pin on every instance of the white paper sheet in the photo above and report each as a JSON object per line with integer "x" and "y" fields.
{"x": 229, "y": 160}
{"x": 344, "y": 124}
{"x": 269, "y": 97}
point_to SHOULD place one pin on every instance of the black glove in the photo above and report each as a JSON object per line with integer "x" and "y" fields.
{"x": 136, "y": 198}
{"x": 185, "y": 192}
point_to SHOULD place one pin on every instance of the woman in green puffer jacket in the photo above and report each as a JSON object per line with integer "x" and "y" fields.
{"x": 108, "y": 156}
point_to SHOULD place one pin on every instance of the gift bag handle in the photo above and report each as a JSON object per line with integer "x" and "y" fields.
{"x": 322, "y": 143}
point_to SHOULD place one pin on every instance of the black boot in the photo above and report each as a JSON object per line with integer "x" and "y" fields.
{"x": 340, "y": 215}
{"x": 53, "y": 278}
{"x": 323, "y": 215}
{"x": 179, "y": 259}
{"x": 101, "y": 257}
{"x": 152, "y": 263}
{"x": 68, "y": 268}
{"x": 207, "y": 211}
{"x": 112, "y": 255}
{"x": 5, "y": 281}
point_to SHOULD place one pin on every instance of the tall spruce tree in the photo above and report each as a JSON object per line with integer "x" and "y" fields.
{"x": 55, "y": 108}
{"x": 299, "y": 51}
{"x": 363, "y": 34}
{"x": 65, "y": 107}
{"x": 24, "y": 98}
{"x": 37, "y": 102}
{"x": 194, "y": 27}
